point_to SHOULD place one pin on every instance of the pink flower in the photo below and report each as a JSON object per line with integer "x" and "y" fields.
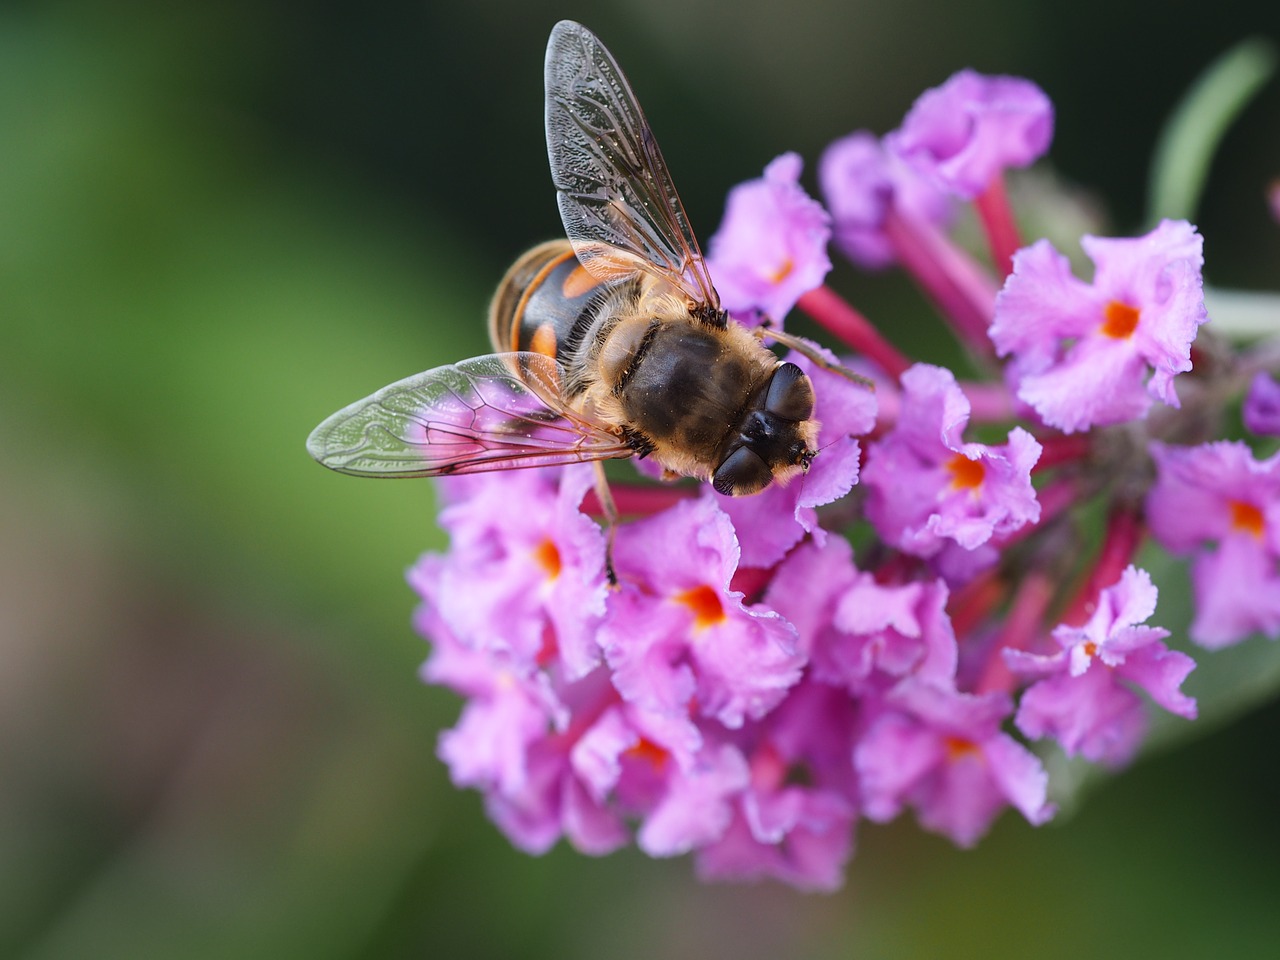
{"x": 525, "y": 572}
{"x": 1262, "y": 406}
{"x": 1085, "y": 699}
{"x": 794, "y": 820}
{"x": 1092, "y": 354}
{"x": 966, "y": 132}
{"x": 1220, "y": 503}
{"x": 862, "y": 182}
{"x": 942, "y": 752}
{"x": 659, "y": 770}
{"x": 927, "y": 488}
{"x": 511, "y": 743}
{"x": 676, "y": 634}
{"x": 772, "y": 244}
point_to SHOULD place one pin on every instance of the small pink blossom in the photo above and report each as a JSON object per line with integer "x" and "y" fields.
{"x": 1262, "y": 406}
{"x": 942, "y": 752}
{"x": 1093, "y": 354}
{"x": 964, "y": 133}
{"x": 676, "y": 634}
{"x": 1085, "y": 698}
{"x": 772, "y": 244}
{"x": 1219, "y": 503}
{"x": 862, "y": 182}
{"x": 927, "y": 488}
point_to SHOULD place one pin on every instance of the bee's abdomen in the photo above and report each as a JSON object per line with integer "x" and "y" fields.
{"x": 546, "y": 303}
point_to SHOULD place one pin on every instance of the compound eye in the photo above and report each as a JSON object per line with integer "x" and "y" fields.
{"x": 742, "y": 473}
{"x": 790, "y": 394}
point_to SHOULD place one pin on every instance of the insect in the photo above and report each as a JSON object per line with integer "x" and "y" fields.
{"x": 609, "y": 344}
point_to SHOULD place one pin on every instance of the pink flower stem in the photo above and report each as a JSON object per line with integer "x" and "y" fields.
{"x": 962, "y": 290}
{"x": 988, "y": 402}
{"x": 975, "y": 601}
{"x": 1058, "y": 449}
{"x": 751, "y": 582}
{"x": 1001, "y": 229}
{"x": 1023, "y": 624}
{"x": 633, "y": 499}
{"x": 837, "y": 315}
{"x": 1122, "y": 539}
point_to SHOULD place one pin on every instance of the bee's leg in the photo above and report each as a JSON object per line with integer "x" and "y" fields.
{"x": 610, "y": 511}
{"x": 810, "y": 350}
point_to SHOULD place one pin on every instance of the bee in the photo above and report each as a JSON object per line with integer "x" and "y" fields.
{"x": 609, "y": 344}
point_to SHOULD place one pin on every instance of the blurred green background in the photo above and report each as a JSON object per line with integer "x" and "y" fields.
{"x": 221, "y": 221}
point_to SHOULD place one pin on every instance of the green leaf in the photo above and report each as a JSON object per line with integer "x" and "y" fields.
{"x": 1190, "y": 138}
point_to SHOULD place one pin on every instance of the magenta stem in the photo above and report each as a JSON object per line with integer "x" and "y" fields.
{"x": 1058, "y": 449}
{"x": 974, "y": 602}
{"x": 637, "y": 499}
{"x": 961, "y": 289}
{"x": 988, "y": 402}
{"x": 1123, "y": 536}
{"x": 996, "y": 215}
{"x": 836, "y": 315}
{"x": 1023, "y": 624}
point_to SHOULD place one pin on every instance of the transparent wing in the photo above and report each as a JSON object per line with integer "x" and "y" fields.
{"x": 497, "y": 412}
{"x": 619, "y": 207}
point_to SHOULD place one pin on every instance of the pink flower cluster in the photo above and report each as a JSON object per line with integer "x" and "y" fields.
{"x": 750, "y": 689}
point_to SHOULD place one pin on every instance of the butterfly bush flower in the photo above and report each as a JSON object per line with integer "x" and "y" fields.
{"x": 726, "y": 677}
{"x": 943, "y": 752}
{"x": 1262, "y": 406}
{"x": 929, "y": 490}
{"x": 676, "y": 629}
{"x": 794, "y": 820}
{"x": 862, "y": 182}
{"x": 1219, "y": 503}
{"x": 966, "y": 132}
{"x": 772, "y": 245}
{"x": 1086, "y": 699}
{"x": 1100, "y": 353}
{"x": 526, "y": 573}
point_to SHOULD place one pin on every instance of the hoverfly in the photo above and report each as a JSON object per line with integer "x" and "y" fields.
{"x": 609, "y": 344}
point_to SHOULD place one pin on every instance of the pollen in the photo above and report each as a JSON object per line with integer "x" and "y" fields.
{"x": 783, "y": 271}
{"x": 547, "y": 555}
{"x": 1246, "y": 518}
{"x": 966, "y": 474}
{"x": 1119, "y": 320}
{"x": 960, "y": 748}
{"x": 705, "y": 604}
{"x": 649, "y": 752}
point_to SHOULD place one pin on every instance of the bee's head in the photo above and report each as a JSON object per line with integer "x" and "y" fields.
{"x": 776, "y": 437}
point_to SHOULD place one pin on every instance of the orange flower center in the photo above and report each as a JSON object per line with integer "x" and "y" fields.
{"x": 547, "y": 555}
{"x": 783, "y": 271}
{"x": 649, "y": 752}
{"x": 958, "y": 748}
{"x": 1119, "y": 320}
{"x": 705, "y": 604}
{"x": 1246, "y": 518}
{"x": 966, "y": 474}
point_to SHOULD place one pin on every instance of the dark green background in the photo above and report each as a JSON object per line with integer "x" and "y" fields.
{"x": 218, "y": 223}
